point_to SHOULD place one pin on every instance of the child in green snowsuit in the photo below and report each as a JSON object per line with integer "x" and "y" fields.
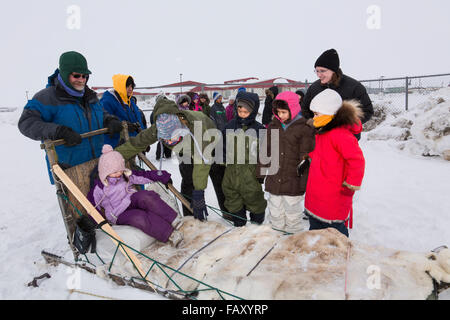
{"x": 243, "y": 191}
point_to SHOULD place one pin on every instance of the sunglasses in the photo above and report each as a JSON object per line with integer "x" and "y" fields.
{"x": 78, "y": 75}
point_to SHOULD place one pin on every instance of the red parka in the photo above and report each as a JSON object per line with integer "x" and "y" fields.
{"x": 337, "y": 158}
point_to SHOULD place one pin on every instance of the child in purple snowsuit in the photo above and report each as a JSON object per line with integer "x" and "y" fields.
{"x": 124, "y": 205}
{"x": 230, "y": 109}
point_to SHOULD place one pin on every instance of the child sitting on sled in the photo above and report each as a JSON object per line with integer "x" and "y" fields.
{"x": 124, "y": 205}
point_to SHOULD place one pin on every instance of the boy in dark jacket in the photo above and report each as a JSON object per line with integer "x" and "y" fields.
{"x": 217, "y": 113}
{"x": 240, "y": 185}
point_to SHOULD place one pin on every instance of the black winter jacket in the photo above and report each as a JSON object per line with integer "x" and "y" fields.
{"x": 348, "y": 89}
{"x": 267, "y": 112}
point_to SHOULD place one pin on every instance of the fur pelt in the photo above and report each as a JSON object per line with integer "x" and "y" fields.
{"x": 257, "y": 262}
{"x": 348, "y": 114}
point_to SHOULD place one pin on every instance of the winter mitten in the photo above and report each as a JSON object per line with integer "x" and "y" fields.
{"x": 347, "y": 191}
{"x": 133, "y": 127}
{"x": 159, "y": 176}
{"x": 114, "y": 126}
{"x": 261, "y": 180}
{"x": 198, "y": 205}
{"x": 71, "y": 137}
{"x": 303, "y": 166}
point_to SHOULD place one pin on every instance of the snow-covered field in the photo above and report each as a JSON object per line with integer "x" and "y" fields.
{"x": 403, "y": 203}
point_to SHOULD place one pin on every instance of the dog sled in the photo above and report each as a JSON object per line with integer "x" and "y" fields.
{"x": 219, "y": 261}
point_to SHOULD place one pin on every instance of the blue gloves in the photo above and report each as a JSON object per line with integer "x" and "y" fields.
{"x": 198, "y": 205}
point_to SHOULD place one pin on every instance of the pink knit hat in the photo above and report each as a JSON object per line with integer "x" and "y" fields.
{"x": 110, "y": 161}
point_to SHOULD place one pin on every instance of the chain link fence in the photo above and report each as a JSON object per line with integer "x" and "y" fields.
{"x": 398, "y": 93}
{"x": 404, "y": 93}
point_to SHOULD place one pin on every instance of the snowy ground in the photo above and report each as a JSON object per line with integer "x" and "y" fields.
{"x": 403, "y": 204}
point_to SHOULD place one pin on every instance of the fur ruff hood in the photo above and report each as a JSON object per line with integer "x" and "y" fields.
{"x": 349, "y": 115}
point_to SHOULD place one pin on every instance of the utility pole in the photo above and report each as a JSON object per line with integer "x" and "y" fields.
{"x": 181, "y": 80}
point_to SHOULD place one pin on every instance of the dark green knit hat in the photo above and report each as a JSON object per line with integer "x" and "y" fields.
{"x": 72, "y": 61}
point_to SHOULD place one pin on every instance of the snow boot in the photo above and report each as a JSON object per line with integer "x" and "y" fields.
{"x": 84, "y": 237}
{"x": 176, "y": 238}
{"x": 240, "y": 218}
{"x": 177, "y": 222}
{"x": 257, "y": 218}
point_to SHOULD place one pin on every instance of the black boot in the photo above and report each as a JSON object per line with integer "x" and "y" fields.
{"x": 257, "y": 217}
{"x": 240, "y": 218}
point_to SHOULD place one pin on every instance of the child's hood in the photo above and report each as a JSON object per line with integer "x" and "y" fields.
{"x": 249, "y": 96}
{"x": 292, "y": 100}
{"x": 119, "y": 84}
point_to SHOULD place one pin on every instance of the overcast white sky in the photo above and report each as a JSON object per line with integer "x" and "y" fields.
{"x": 214, "y": 41}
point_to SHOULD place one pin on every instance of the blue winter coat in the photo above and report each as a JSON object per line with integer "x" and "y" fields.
{"x": 53, "y": 107}
{"x": 131, "y": 113}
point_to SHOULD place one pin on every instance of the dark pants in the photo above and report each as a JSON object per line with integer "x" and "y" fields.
{"x": 187, "y": 185}
{"x": 315, "y": 224}
{"x": 149, "y": 213}
{"x": 167, "y": 152}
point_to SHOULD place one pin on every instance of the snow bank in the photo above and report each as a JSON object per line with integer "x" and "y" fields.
{"x": 423, "y": 130}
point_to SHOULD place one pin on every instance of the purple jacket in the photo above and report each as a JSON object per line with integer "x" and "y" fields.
{"x": 115, "y": 197}
{"x": 229, "y": 111}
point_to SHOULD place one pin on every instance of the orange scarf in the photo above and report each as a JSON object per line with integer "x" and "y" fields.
{"x": 322, "y": 120}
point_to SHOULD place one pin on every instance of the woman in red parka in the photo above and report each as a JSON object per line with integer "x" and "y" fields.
{"x": 337, "y": 162}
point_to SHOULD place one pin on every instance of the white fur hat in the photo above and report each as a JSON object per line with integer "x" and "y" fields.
{"x": 327, "y": 102}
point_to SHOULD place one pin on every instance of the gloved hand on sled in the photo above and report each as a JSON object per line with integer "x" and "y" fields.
{"x": 159, "y": 176}
{"x": 71, "y": 137}
{"x": 198, "y": 205}
{"x": 114, "y": 126}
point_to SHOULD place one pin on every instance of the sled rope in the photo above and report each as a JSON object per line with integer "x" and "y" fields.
{"x": 156, "y": 263}
{"x": 206, "y": 245}
{"x": 346, "y": 270}
{"x": 221, "y": 213}
{"x": 264, "y": 256}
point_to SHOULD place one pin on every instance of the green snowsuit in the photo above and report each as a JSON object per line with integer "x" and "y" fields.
{"x": 240, "y": 185}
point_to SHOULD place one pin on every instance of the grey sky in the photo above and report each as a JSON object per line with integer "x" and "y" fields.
{"x": 215, "y": 41}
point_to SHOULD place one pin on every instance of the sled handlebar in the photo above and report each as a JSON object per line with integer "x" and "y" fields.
{"x": 54, "y": 143}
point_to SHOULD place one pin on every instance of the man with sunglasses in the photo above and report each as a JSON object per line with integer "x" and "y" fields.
{"x": 65, "y": 109}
